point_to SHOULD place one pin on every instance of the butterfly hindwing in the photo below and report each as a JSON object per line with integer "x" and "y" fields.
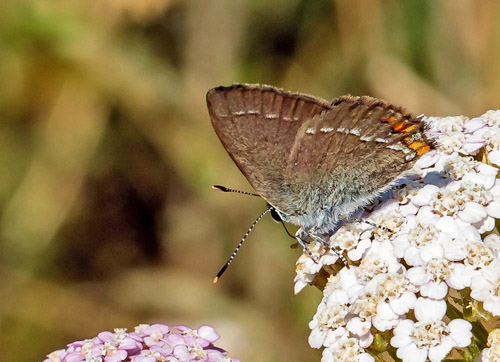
{"x": 345, "y": 157}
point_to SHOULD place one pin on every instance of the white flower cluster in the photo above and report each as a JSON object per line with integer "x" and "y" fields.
{"x": 492, "y": 353}
{"x": 439, "y": 242}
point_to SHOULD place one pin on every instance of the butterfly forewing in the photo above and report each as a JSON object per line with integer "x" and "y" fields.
{"x": 257, "y": 125}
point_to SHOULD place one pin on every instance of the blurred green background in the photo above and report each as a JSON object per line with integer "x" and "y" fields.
{"x": 107, "y": 154}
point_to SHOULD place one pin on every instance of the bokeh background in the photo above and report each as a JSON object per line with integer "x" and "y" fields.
{"x": 107, "y": 154}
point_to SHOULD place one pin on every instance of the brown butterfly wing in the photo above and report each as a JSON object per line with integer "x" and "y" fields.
{"x": 258, "y": 125}
{"x": 348, "y": 155}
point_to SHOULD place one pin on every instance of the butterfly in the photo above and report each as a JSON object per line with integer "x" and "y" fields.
{"x": 315, "y": 162}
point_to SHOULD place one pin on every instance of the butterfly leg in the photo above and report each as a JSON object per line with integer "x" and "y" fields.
{"x": 326, "y": 244}
{"x": 301, "y": 237}
{"x": 381, "y": 227}
{"x": 320, "y": 240}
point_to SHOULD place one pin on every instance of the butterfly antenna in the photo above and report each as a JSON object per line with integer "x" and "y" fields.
{"x": 233, "y": 255}
{"x": 226, "y": 189}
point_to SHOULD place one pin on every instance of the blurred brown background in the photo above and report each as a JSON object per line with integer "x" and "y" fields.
{"x": 107, "y": 155}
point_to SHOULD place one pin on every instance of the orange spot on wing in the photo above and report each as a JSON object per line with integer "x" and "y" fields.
{"x": 416, "y": 145}
{"x": 410, "y": 127}
{"x": 385, "y": 119}
{"x": 423, "y": 150}
{"x": 399, "y": 127}
{"x": 403, "y": 127}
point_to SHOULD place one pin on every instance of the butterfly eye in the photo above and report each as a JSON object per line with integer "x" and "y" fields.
{"x": 275, "y": 215}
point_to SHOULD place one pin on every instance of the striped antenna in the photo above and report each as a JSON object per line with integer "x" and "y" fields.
{"x": 233, "y": 255}
{"x": 226, "y": 189}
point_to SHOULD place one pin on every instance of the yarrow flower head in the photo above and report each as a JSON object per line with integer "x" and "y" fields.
{"x": 416, "y": 285}
{"x": 148, "y": 343}
{"x": 492, "y": 353}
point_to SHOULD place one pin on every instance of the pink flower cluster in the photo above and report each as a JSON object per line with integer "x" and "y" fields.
{"x": 148, "y": 343}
